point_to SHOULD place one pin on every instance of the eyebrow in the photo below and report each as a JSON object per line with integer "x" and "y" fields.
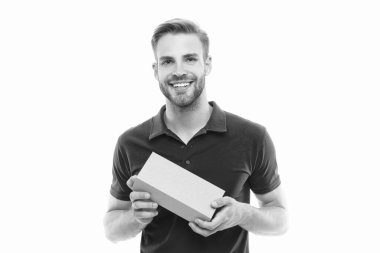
{"x": 165, "y": 58}
{"x": 190, "y": 55}
{"x": 162, "y": 58}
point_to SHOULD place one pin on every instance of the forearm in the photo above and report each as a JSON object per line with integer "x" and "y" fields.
{"x": 120, "y": 225}
{"x": 267, "y": 220}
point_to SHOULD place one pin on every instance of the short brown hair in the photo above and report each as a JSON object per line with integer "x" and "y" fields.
{"x": 177, "y": 25}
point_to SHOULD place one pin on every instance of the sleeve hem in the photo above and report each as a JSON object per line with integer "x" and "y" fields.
{"x": 267, "y": 189}
{"x": 119, "y": 196}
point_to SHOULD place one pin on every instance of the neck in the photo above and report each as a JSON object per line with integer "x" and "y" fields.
{"x": 189, "y": 119}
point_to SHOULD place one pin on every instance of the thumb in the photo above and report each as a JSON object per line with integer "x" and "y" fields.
{"x": 221, "y": 202}
{"x": 131, "y": 181}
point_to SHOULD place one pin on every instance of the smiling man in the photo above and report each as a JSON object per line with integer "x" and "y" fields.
{"x": 232, "y": 153}
{"x": 181, "y": 69}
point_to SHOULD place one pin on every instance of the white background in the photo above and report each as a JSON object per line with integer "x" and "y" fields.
{"x": 75, "y": 74}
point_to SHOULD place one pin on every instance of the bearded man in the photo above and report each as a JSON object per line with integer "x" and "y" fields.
{"x": 230, "y": 152}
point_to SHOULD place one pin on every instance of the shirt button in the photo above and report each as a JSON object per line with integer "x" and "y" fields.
{"x": 187, "y": 162}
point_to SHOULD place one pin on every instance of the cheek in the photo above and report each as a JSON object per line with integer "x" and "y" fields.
{"x": 198, "y": 71}
{"x": 163, "y": 74}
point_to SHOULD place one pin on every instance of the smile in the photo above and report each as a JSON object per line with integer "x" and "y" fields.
{"x": 181, "y": 84}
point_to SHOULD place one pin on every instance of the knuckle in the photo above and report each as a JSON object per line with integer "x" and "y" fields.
{"x": 152, "y": 214}
{"x": 146, "y": 214}
{"x": 141, "y": 195}
{"x": 138, "y": 195}
{"x": 136, "y": 205}
{"x": 140, "y": 215}
{"x": 207, "y": 226}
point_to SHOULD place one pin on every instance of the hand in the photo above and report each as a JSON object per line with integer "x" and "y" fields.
{"x": 144, "y": 210}
{"x": 229, "y": 216}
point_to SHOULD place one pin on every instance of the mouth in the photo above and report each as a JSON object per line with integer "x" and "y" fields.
{"x": 181, "y": 84}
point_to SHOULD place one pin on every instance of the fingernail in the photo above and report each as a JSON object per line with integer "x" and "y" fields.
{"x": 147, "y": 196}
{"x": 214, "y": 203}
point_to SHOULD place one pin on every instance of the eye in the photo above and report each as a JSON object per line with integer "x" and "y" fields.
{"x": 191, "y": 59}
{"x": 166, "y": 62}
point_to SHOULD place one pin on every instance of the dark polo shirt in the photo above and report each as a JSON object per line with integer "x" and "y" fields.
{"x": 230, "y": 152}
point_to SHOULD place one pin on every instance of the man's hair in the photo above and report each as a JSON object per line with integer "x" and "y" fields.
{"x": 176, "y": 26}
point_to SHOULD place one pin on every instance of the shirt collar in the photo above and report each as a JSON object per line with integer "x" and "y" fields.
{"x": 216, "y": 123}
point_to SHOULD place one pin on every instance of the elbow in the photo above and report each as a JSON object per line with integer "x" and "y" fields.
{"x": 115, "y": 230}
{"x": 116, "y": 236}
{"x": 112, "y": 237}
{"x": 107, "y": 229}
{"x": 283, "y": 228}
{"x": 278, "y": 225}
{"x": 283, "y": 224}
{"x": 111, "y": 232}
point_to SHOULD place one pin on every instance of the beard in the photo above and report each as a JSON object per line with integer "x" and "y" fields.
{"x": 187, "y": 99}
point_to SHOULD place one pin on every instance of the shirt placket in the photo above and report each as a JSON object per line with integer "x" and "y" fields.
{"x": 186, "y": 161}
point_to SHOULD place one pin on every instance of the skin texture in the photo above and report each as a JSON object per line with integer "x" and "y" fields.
{"x": 269, "y": 219}
{"x": 180, "y": 58}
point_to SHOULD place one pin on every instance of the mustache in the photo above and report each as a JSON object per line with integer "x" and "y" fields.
{"x": 184, "y": 77}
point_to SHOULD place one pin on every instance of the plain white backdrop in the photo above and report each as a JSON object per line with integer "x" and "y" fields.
{"x": 75, "y": 74}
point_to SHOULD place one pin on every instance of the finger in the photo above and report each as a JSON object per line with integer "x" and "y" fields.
{"x": 221, "y": 202}
{"x": 210, "y": 225}
{"x": 145, "y": 214}
{"x": 139, "y": 195}
{"x": 131, "y": 181}
{"x": 200, "y": 230}
{"x": 144, "y": 205}
{"x": 144, "y": 221}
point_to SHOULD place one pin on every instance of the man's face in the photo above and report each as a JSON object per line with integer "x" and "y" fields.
{"x": 180, "y": 68}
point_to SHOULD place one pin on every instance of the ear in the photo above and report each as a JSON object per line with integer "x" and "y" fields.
{"x": 155, "y": 70}
{"x": 208, "y": 65}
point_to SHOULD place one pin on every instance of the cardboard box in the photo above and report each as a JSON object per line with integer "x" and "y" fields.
{"x": 176, "y": 189}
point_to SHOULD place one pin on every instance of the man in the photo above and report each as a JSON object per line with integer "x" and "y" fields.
{"x": 230, "y": 152}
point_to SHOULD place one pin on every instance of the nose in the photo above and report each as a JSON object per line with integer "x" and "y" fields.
{"x": 179, "y": 71}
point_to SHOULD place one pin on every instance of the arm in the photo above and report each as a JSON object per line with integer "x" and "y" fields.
{"x": 126, "y": 219}
{"x": 119, "y": 222}
{"x": 269, "y": 219}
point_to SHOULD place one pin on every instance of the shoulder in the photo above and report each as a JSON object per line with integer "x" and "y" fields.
{"x": 138, "y": 132}
{"x": 238, "y": 125}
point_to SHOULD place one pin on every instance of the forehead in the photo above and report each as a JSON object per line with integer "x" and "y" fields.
{"x": 179, "y": 44}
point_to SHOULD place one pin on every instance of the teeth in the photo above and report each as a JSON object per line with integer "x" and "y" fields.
{"x": 180, "y": 85}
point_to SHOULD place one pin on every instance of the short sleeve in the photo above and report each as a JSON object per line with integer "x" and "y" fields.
{"x": 265, "y": 177}
{"x": 120, "y": 174}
